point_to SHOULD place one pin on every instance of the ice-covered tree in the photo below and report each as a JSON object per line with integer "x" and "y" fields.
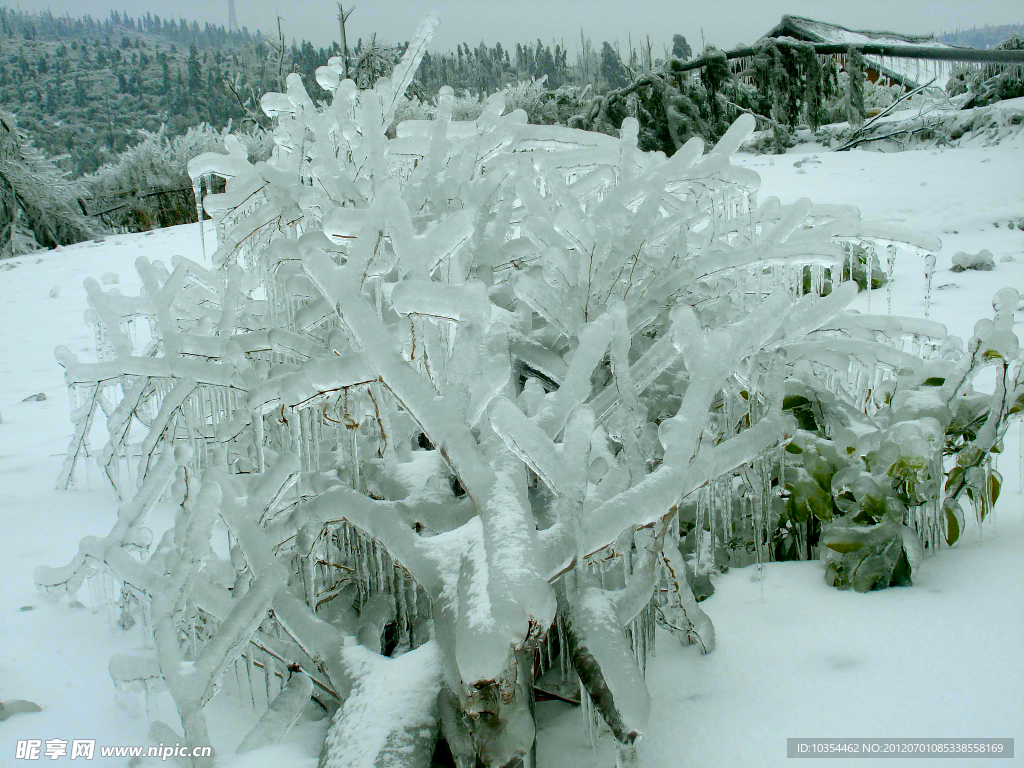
{"x": 448, "y": 394}
{"x": 985, "y": 85}
{"x": 38, "y": 203}
{"x": 854, "y": 89}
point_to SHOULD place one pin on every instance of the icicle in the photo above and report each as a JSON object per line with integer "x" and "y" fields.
{"x": 631, "y": 635}
{"x": 94, "y": 594}
{"x": 587, "y": 719}
{"x": 242, "y": 680}
{"x": 250, "y": 664}
{"x": 641, "y": 644}
{"x": 273, "y": 679}
{"x": 752, "y": 213}
{"x": 413, "y": 612}
{"x": 126, "y": 695}
{"x": 378, "y": 565}
{"x": 757, "y": 517}
{"x": 152, "y": 701}
{"x": 390, "y": 572}
{"x": 762, "y": 498}
{"x": 268, "y": 676}
{"x": 713, "y": 509}
{"x": 357, "y": 572}
{"x": 891, "y": 265}
{"x": 146, "y": 615}
{"x": 698, "y": 529}
{"x": 729, "y": 527}
{"x": 365, "y": 574}
{"x": 929, "y": 270}
{"x": 197, "y": 191}
{"x": 563, "y": 653}
{"x": 652, "y": 620}
{"x": 870, "y": 272}
{"x": 329, "y": 574}
{"x": 990, "y": 468}
{"x": 193, "y": 633}
{"x": 354, "y": 457}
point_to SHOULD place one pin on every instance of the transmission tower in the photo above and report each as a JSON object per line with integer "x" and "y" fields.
{"x": 232, "y": 19}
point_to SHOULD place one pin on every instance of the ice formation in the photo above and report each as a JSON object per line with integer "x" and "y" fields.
{"x": 448, "y": 391}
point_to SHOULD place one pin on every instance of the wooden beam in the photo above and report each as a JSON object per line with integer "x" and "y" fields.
{"x": 930, "y": 53}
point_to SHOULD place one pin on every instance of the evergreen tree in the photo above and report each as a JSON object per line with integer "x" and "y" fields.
{"x": 195, "y": 70}
{"x": 612, "y": 69}
{"x": 680, "y": 48}
{"x": 81, "y": 96}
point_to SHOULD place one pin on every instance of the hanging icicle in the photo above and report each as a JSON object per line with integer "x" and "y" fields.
{"x": 197, "y": 192}
{"x": 698, "y": 529}
{"x": 869, "y": 280}
{"x": 890, "y": 267}
{"x": 929, "y": 271}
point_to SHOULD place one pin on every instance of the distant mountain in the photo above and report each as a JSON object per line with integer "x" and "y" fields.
{"x": 83, "y": 88}
{"x": 981, "y": 37}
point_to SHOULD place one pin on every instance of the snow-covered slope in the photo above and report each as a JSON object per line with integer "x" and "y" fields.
{"x": 795, "y": 658}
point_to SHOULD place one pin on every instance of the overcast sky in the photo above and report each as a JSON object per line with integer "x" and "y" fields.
{"x": 725, "y": 23}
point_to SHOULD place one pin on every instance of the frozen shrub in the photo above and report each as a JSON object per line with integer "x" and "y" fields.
{"x": 447, "y": 392}
{"x": 981, "y": 261}
{"x": 147, "y": 186}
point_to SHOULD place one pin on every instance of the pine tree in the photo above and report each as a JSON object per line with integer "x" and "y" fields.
{"x": 611, "y": 67}
{"x": 680, "y": 48}
{"x": 81, "y": 95}
{"x": 195, "y": 70}
{"x": 165, "y": 80}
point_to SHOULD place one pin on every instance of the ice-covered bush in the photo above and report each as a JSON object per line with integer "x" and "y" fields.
{"x": 988, "y": 84}
{"x": 157, "y": 164}
{"x": 429, "y": 418}
{"x": 541, "y": 105}
{"x": 877, "y": 485}
{"x": 981, "y": 261}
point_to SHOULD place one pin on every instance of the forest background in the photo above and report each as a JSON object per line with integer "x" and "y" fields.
{"x": 100, "y": 116}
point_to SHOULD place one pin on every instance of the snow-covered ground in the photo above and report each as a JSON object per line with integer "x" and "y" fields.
{"x": 794, "y": 657}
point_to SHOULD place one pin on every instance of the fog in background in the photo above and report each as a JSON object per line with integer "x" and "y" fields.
{"x": 725, "y": 23}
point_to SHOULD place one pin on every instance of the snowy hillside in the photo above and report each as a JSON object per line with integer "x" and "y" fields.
{"x": 794, "y": 657}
